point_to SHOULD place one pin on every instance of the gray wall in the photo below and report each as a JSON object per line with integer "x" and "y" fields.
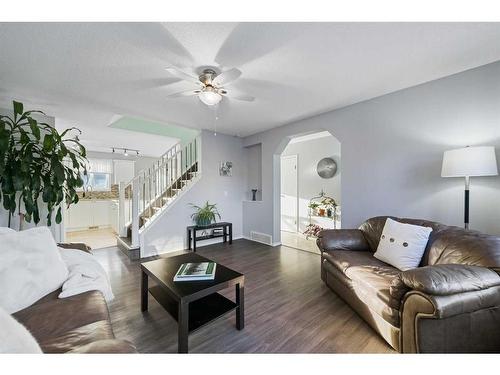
{"x": 253, "y": 160}
{"x": 392, "y": 149}
{"x": 168, "y": 233}
{"x": 309, "y": 182}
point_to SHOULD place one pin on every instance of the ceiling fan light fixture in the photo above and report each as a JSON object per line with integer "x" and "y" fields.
{"x": 210, "y": 96}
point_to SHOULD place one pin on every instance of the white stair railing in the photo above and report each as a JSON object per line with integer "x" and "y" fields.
{"x": 155, "y": 187}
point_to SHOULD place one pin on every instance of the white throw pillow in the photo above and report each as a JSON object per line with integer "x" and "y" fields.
{"x": 6, "y": 230}
{"x": 30, "y": 268}
{"x": 14, "y": 337}
{"x": 402, "y": 245}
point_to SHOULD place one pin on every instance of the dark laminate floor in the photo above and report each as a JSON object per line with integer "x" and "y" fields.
{"x": 288, "y": 308}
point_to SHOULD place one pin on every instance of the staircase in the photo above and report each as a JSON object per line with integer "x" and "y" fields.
{"x": 155, "y": 189}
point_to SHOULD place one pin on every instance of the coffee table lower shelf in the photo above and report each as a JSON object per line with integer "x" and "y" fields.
{"x": 201, "y": 312}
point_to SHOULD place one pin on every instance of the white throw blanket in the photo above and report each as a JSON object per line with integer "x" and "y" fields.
{"x": 85, "y": 274}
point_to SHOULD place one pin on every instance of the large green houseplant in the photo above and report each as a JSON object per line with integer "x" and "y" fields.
{"x": 38, "y": 164}
{"x": 205, "y": 215}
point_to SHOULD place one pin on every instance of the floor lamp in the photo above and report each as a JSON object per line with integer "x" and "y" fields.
{"x": 469, "y": 162}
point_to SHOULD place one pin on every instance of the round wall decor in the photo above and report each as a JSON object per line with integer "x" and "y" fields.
{"x": 327, "y": 167}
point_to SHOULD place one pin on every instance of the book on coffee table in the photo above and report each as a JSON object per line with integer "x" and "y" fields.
{"x": 196, "y": 271}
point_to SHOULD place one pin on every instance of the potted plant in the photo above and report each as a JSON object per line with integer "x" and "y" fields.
{"x": 330, "y": 205}
{"x": 313, "y": 206}
{"x": 205, "y": 215}
{"x": 38, "y": 164}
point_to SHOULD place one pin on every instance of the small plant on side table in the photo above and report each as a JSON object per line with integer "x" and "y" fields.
{"x": 205, "y": 215}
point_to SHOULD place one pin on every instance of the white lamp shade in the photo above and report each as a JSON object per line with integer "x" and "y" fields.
{"x": 470, "y": 162}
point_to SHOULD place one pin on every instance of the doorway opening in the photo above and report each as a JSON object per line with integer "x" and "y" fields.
{"x": 94, "y": 219}
{"x": 310, "y": 182}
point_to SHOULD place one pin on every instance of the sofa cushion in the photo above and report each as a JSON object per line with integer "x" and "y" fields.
{"x": 376, "y": 283}
{"x": 113, "y": 346}
{"x": 459, "y": 246}
{"x": 343, "y": 259}
{"x": 14, "y": 337}
{"x": 61, "y": 325}
{"x": 77, "y": 337}
{"x": 446, "y": 279}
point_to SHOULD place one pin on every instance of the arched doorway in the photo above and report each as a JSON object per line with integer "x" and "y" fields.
{"x": 307, "y": 199}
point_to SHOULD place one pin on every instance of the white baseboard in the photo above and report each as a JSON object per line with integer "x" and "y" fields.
{"x": 273, "y": 245}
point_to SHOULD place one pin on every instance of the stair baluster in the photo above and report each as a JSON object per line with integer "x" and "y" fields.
{"x": 156, "y": 187}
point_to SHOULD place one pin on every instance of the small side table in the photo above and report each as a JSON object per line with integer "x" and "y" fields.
{"x": 227, "y": 233}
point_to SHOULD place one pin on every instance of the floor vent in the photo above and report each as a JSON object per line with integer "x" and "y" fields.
{"x": 261, "y": 237}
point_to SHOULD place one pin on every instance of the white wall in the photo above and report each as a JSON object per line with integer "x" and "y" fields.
{"x": 140, "y": 162}
{"x": 309, "y": 153}
{"x": 392, "y": 149}
{"x": 168, "y": 233}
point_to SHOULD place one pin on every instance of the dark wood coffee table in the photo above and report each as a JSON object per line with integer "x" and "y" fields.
{"x": 192, "y": 304}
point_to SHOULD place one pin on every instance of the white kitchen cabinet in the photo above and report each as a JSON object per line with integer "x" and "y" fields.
{"x": 79, "y": 215}
{"x": 89, "y": 213}
{"x": 100, "y": 213}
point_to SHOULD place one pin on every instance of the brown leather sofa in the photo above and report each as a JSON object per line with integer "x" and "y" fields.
{"x": 77, "y": 324}
{"x": 451, "y": 303}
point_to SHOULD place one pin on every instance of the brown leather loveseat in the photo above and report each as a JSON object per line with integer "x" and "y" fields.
{"x": 77, "y": 324}
{"x": 451, "y": 303}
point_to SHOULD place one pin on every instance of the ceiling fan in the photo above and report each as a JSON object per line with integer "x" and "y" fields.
{"x": 210, "y": 85}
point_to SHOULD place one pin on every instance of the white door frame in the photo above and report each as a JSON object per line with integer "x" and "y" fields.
{"x": 296, "y": 157}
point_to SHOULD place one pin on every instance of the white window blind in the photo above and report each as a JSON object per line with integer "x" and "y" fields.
{"x": 100, "y": 166}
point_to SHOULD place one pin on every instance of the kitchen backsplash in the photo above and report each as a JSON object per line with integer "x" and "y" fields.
{"x": 112, "y": 194}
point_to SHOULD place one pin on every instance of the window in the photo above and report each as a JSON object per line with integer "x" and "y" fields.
{"x": 98, "y": 175}
{"x": 99, "y": 181}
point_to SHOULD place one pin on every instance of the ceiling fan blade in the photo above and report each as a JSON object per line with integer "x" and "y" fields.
{"x": 176, "y": 72}
{"x": 226, "y": 77}
{"x": 242, "y": 97}
{"x": 183, "y": 93}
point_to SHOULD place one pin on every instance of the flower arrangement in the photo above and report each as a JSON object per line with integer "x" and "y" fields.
{"x": 313, "y": 207}
{"x": 329, "y": 202}
{"x": 312, "y": 230}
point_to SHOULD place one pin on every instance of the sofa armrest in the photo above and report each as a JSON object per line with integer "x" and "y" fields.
{"x": 342, "y": 239}
{"x": 450, "y": 308}
{"x": 110, "y": 346}
{"x": 76, "y": 245}
{"x": 463, "y": 322}
{"x": 447, "y": 279}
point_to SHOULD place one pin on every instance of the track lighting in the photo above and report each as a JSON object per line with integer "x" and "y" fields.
{"x": 126, "y": 151}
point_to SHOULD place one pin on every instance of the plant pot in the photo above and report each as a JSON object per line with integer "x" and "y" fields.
{"x": 203, "y": 222}
{"x": 321, "y": 212}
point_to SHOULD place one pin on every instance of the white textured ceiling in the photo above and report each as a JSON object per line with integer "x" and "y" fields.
{"x": 86, "y": 73}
